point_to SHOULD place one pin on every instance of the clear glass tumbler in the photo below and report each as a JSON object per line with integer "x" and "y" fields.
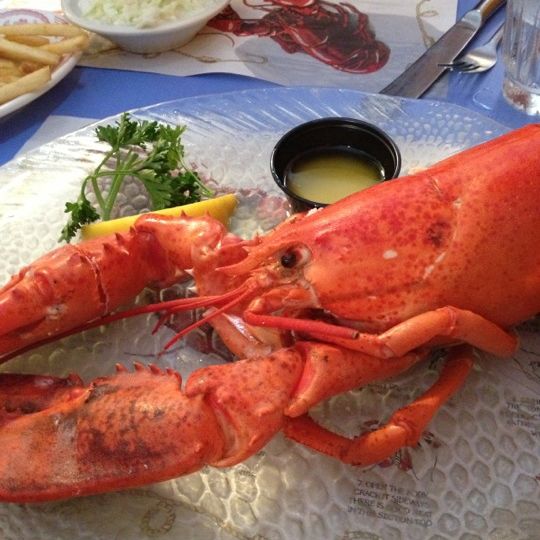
{"x": 521, "y": 53}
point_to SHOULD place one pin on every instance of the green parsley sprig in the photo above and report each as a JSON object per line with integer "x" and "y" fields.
{"x": 147, "y": 151}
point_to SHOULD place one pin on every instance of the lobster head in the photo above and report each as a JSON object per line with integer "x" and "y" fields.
{"x": 366, "y": 258}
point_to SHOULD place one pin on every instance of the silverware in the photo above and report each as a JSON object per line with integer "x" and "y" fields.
{"x": 479, "y": 59}
{"x": 418, "y": 77}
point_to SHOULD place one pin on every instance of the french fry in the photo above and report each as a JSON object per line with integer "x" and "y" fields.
{"x": 27, "y": 83}
{"x": 28, "y": 67}
{"x": 30, "y": 52}
{"x": 68, "y": 45}
{"x": 33, "y": 41}
{"x": 41, "y": 29}
{"x": 10, "y": 73}
{"x": 17, "y": 51}
{"x": 9, "y": 78}
{"x": 5, "y": 63}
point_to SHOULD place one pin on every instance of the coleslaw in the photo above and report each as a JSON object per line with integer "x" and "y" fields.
{"x": 141, "y": 13}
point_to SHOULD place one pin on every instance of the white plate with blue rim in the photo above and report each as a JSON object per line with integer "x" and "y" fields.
{"x": 63, "y": 68}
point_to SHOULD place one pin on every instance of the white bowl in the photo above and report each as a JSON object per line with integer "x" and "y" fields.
{"x": 146, "y": 40}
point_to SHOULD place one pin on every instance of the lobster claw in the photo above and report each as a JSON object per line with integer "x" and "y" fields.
{"x": 61, "y": 439}
{"x": 25, "y": 394}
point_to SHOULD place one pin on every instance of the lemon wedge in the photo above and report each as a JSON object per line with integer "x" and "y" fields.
{"x": 220, "y": 208}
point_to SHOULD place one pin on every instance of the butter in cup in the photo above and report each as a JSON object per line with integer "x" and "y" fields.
{"x": 321, "y": 161}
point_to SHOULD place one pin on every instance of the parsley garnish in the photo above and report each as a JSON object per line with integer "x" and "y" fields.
{"x": 148, "y": 151}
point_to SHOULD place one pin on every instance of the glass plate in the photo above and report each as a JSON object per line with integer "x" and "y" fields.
{"x": 474, "y": 474}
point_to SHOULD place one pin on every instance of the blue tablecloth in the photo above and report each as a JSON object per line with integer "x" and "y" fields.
{"x": 98, "y": 93}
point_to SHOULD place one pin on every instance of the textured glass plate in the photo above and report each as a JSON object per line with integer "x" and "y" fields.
{"x": 475, "y": 474}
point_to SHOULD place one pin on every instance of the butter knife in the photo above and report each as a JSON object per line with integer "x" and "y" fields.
{"x": 418, "y": 77}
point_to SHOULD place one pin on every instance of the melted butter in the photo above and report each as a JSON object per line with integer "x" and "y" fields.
{"x": 330, "y": 174}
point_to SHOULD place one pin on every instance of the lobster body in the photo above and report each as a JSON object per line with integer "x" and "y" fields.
{"x": 448, "y": 255}
{"x": 456, "y": 234}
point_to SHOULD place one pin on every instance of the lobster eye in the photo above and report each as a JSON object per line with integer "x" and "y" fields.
{"x": 288, "y": 259}
{"x": 294, "y": 257}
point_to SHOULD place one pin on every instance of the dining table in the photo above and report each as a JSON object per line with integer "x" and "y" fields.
{"x": 94, "y": 93}
{"x": 477, "y": 481}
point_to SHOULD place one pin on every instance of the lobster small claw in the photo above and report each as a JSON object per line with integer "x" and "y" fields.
{"x": 404, "y": 428}
{"x": 76, "y": 284}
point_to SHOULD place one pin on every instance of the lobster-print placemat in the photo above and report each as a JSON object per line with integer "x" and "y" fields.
{"x": 335, "y": 43}
{"x": 475, "y": 473}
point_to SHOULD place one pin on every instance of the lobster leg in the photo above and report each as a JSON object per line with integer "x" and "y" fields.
{"x": 449, "y": 322}
{"x": 442, "y": 326}
{"x": 330, "y": 370}
{"x": 404, "y": 428}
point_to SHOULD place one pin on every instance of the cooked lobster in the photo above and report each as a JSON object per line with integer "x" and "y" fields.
{"x": 330, "y": 300}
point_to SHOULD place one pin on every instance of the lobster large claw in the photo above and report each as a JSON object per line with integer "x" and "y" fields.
{"x": 63, "y": 439}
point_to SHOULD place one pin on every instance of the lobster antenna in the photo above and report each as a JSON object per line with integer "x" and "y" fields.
{"x": 180, "y": 304}
{"x": 179, "y": 335}
{"x": 184, "y": 304}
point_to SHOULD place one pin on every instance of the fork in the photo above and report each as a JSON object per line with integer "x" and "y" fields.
{"x": 479, "y": 59}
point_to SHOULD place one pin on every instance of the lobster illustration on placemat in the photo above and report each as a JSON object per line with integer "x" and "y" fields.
{"x": 337, "y": 34}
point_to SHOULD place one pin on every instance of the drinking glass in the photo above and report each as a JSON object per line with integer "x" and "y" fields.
{"x": 521, "y": 54}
